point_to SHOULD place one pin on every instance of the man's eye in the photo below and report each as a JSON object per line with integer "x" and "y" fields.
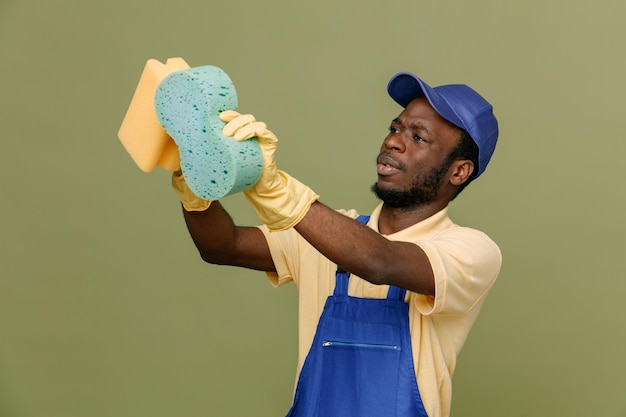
{"x": 418, "y": 138}
{"x": 393, "y": 129}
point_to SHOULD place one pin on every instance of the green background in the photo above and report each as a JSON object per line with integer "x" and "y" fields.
{"x": 105, "y": 307}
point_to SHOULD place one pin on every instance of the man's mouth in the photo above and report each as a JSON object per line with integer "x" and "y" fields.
{"x": 387, "y": 165}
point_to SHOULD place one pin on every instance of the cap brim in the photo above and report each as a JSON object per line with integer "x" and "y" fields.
{"x": 405, "y": 87}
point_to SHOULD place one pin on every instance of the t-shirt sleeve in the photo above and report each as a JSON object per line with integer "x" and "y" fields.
{"x": 465, "y": 263}
{"x": 281, "y": 244}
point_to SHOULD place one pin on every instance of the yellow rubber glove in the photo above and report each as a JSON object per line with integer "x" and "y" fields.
{"x": 279, "y": 200}
{"x": 191, "y": 202}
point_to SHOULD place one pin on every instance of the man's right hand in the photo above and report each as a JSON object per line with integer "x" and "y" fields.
{"x": 279, "y": 200}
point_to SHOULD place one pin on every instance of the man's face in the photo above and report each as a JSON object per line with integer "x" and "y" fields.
{"x": 413, "y": 160}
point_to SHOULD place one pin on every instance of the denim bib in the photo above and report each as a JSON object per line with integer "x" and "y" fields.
{"x": 361, "y": 362}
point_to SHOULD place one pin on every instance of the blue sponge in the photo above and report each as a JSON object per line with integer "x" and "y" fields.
{"x": 187, "y": 104}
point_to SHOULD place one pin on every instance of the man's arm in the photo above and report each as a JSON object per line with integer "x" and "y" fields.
{"x": 365, "y": 253}
{"x": 214, "y": 233}
{"x": 281, "y": 201}
{"x": 221, "y": 242}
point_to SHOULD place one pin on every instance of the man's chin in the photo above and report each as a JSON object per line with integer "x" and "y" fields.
{"x": 393, "y": 197}
{"x": 402, "y": 199}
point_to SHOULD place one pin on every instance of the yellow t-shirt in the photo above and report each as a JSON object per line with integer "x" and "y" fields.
{"x": 465, "y": 262}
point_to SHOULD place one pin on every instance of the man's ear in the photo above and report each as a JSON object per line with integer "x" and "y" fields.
{"x": 461, "y": 170}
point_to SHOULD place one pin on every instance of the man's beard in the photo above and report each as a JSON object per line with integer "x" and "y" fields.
{"x": 423, "y": 190}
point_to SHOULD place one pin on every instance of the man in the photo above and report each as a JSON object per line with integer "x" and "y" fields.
{"x": 384, "y": 308}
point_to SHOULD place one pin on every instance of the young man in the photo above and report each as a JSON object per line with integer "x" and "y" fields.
{"x": 385, "y": 306}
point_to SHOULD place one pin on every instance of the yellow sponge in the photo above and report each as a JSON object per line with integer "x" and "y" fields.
{"x": 142, "y": 135}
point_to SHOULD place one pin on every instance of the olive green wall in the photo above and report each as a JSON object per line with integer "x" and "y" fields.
{"x": 105, "y": 307}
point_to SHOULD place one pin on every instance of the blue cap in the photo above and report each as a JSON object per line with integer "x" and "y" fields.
{"x": 458, "y": 104}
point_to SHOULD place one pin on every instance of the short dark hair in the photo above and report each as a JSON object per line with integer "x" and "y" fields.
{"x": 466, "y": 149}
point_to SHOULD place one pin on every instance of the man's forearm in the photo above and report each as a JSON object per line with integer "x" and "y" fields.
{"x": 220, "y": 241}
{"x": 366, "y": 253}
{"x": 212, "y": 231}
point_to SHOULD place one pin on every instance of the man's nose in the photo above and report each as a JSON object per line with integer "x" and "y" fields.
{"x": 394, "y": 141}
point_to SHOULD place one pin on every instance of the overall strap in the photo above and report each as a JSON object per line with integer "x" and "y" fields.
{"x": 363, "y": 219}
{"x": 341, "y": 282}
{"x": 342, "y": 276}
{"x": 396, "y": 293}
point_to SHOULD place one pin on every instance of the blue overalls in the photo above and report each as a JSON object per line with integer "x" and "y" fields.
{"x": 360, "y": 363}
